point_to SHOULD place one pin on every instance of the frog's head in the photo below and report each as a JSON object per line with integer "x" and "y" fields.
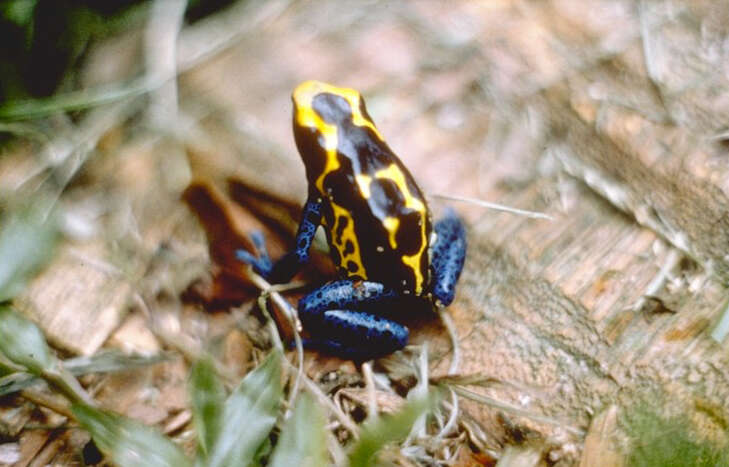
{"x": 320, "y": 111}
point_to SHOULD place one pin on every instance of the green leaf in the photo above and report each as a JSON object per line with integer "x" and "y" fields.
{"x": 128, "y": 442}
{"x": 302, "y": 440}
{"x": 23, "y": 343}
{"x": 75, "y": 100}
{"x": 207, "y": 396}
{"x": 386, "y": 429}
{"x": 106, "y": 361}
{"x": 249, "y": 415}
{"x": 19, "y": 12}
{"x": 26, "y": 243}
{"x": 656, "y": 440}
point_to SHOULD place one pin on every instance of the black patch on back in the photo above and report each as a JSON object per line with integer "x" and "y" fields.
{"x": 386, "y": 199}
{"x": 343, "y": 223}
{"x": 331, "y": 108}
{"x": 409, "y": 237}
{"x": 348, "y": 248}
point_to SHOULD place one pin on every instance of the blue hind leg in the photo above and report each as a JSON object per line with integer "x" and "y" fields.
{"x": 335, "y": 317}
{"x": 449, "y": 253}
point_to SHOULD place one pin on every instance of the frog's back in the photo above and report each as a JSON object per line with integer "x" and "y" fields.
{"x": 376, "y": 217}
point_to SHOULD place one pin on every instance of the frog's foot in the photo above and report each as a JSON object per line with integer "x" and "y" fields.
{"x": 260, "y": 262}
{"x": 338, "y": 329}
{"x": 449, "y": 253}
{"x": 289, "y": 264}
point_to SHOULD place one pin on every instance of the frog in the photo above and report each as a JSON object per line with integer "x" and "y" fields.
{"x": 391, "y": 259}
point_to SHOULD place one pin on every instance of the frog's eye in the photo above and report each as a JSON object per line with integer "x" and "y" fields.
{"x": 331, "y": 108}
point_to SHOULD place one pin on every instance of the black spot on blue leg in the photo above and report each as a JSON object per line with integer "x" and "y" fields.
{"x": 356, "y": 335}
{"x": 335, "y": 317}
{"x": 449, "y": 253}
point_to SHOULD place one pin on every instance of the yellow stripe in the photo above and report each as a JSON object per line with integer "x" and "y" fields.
{"x": 391, "y": 225}
{"x": 393, "y": 172}
{"x": 347, "y": 234}
{"x": 307, "y": 117}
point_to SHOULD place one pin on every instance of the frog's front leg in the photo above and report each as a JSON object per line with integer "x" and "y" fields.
{"x": 338, "y": 322}
{"x": 289, "y": 264}
{"x": 449, "y": 253}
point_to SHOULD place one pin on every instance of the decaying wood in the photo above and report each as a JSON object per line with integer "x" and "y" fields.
{"x": 601, "y": 442}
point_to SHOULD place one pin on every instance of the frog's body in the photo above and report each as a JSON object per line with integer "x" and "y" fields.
{"x": 378, "y": 226}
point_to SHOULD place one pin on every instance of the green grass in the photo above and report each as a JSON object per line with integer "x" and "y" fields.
{"x": 669, "y": 442}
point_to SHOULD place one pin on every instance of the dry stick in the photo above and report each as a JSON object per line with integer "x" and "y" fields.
{"x": 467, "y": 393}
{"x": 69, "y": 386}
{"x": 372, "y": 410}
{"x": 453, "y": 334}
{"x": 722, "y": 328}
{"x": 656, "y": 284}
{"x": 496, "y": 206}
{"x": 453, "y": 418}
{"x": 43, "y": 400}
{"x": 335, "y": 449}
{"x": 420, "y": 391}
{"x": 161, "y": 36}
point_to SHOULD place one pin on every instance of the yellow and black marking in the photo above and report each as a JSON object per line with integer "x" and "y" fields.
{"x": 376, "y": 218}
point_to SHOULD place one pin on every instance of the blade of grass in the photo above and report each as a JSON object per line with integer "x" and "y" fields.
{"x": 127, "y": 442}
{"x": 249, "y": 415}
{"x": 23, "y": 343}
{"x": 207, "y": 396}
{"x": 104, "y": 362}
{"x": 26, "y": 243}
{"x": 77, "y": 100}
{"x": 303, "y": 439}
{"x": 382, "y": 430}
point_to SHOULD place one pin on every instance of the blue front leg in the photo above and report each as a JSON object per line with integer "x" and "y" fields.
{"x": 449, "y": 253}
{"x": 334, "y": 317}
{"x": 289, "y": 264}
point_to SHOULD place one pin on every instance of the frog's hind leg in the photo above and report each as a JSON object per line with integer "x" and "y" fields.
{"x": 289, "y": 264}
{"x": 336, "y": 319}
{"x": 448, "y": 256}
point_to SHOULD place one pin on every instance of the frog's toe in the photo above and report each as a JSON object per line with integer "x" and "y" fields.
{"x": 261, "y": 264}
{"x": 259, "y": 242}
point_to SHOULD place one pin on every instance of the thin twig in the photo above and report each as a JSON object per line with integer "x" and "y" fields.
{"x": 453, "y": 418}
{"x": 42, "y": 400}
{"x": 322, "y": 398}
{"x": 453, "y": 334}
{"x": 656, "y": 284}
{"x": 490, "y": 205}
{"x": 721, "y": 330}
{"x": 161, "y": 36}
{"x": 372, "y": 410}
{"x": 474, "y": 396}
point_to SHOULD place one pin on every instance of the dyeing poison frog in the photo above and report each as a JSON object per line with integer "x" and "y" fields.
{"x": 389, "y": 255}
